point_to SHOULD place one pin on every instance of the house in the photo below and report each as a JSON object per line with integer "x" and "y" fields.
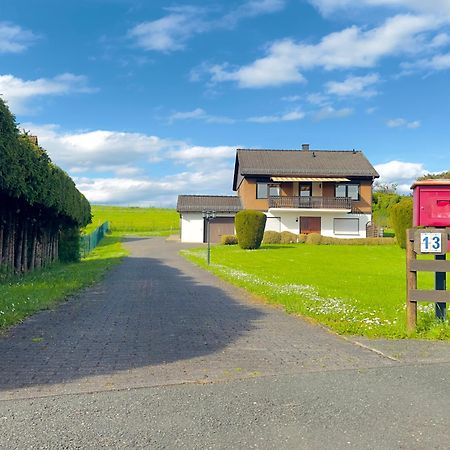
{"x": 301, "y": 191}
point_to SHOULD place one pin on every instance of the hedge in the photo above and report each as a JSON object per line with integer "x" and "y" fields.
{"x": 401, "y": 219}
{"x": 250, "y": 228}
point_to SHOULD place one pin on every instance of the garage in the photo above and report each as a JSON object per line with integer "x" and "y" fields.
{"x": 194, "y": 208}
{"x": 218, "y": 227}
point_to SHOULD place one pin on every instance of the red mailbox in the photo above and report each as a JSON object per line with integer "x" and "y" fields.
{"x": 431, "y": 203}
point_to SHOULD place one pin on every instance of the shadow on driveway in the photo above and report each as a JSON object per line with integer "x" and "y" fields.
{"x": 144, "y": 313}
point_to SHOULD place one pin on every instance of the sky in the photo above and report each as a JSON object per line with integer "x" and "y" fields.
{"x": 139, "y": 101}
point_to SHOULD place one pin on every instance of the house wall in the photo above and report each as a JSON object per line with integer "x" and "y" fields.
{"x": 247, "y": 193}
{"x": 192, "y": 227}
{"x": 288, "y": 221}
{"x": 365, "y": 195}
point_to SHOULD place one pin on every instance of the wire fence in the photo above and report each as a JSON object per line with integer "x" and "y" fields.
{"x": 89, "y": 241}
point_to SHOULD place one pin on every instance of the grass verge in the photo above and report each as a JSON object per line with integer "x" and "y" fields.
{"x": 22, "y": 296}
{"x": 358, "y": 290}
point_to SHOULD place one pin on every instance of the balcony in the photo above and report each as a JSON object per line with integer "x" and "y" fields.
{"x": 343, "y": 203}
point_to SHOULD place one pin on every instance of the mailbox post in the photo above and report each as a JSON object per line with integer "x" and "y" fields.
{"x": 431, "y": 208}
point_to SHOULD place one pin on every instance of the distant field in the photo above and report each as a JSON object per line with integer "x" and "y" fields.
{"x": 144, "y": 221}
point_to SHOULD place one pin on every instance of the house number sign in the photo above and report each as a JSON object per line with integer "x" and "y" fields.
{"x": 431, "y": 242}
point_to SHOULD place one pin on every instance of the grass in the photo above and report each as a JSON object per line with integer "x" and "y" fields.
{"x": 22, "y": 296}
{"x": 357, "y": 290}
{"x": 133, "y": 220}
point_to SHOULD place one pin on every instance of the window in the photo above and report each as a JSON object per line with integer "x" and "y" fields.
{"x": 274, "y": 190}
{"x": 263, "y": 190}
{"x": 346, "y": 226}
{"x": 348, "y": 190}
{"x": 305, "y": 190}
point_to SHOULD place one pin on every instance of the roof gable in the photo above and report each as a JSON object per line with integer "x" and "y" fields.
{"x": 199, "y": 203}
{"x": 303, "y": 163}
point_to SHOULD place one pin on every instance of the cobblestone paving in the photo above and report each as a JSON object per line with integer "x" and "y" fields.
{"x": 156, "y": 320}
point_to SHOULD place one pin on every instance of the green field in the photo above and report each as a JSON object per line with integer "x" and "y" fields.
{"x": 24, "y": 295}
{"x": 133, "y": 220}
{"x": 356, "y": 290}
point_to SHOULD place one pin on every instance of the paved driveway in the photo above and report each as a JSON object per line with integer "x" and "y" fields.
{"x": 158, "y": 334}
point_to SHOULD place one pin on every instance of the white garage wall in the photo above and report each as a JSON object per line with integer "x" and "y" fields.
{"x": 192, "y": 227}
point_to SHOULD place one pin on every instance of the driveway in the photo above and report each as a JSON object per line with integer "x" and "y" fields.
{"x": 162, "y": 354}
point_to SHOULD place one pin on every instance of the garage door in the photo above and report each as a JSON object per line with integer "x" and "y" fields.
{"x": 221, "y": 226}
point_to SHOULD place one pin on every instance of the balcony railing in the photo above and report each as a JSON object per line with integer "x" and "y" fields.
{"x": 310, "y": 202}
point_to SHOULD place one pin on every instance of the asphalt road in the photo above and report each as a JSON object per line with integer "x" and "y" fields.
{"x": 163, "y": 355}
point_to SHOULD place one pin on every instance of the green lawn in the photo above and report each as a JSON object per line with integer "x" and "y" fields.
{"x": 133, "y": 220}
{"x": 351, "y": 289}
{"x": 22, "y": 296}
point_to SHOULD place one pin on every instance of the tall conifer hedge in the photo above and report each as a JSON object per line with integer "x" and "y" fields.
{"x": 37, "y": 201}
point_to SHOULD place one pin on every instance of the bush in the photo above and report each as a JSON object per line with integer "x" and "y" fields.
{"x": 288, "y": 238}
{"x": 250, "y": 228}
{"x": 229, "y": 239}
{"x": 327, "y": 240}
{"x": 401, "y": 219}
{"x": 272, "y": 237}
{"x": 301, "y": 238}
{"x": 69, "y": 244}
{"x": 313, "y": 239}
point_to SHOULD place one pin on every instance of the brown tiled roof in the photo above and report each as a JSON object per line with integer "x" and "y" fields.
{"x": 304, "y": 162}
{"x": 199, "y": 203}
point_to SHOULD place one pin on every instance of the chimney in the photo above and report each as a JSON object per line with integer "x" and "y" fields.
{"x": 305, "y": 147}
{"x": 33, "y": 139}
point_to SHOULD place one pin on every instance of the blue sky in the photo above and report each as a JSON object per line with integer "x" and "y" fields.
{"x": 140, "y": 101}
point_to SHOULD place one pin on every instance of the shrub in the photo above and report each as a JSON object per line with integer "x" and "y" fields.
{"x": 301, "y": 238}
{"x": 272, "y": 237}
{"x": 250, "y": 228}
{"x": 288, "y": 238}
{"x": 229, "y": 239}
{"x": 401, "y": 219}
{"x": 313, "y": 239}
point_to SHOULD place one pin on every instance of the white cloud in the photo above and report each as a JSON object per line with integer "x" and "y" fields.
{"x": 18, "y": 92}
{"x": 291, "y": 98}
{"x": 171, "y": 32}
{"x": 287, "y": 117}
{"x": 403, "y": 123}
{"x": 199, "y": 114}
{"x": 400, "y": 172}
{"x": 353, "y": 47}
{"x": 328, "y": 112}
{"x": 439, "y": 8}
{"x": 200, "y": 154}
{"x": 252, "y": 8}
{"x": 150, "y": 191}
{"x": 318, "y": 99}
{"x": 354, "y": 86}
{"x": 117, "y": 167}
{"x": 15, "y": 39}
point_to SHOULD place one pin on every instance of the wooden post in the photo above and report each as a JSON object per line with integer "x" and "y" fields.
{"x": 411, "y": 283}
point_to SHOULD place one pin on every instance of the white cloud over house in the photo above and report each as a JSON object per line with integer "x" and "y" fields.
{"x": 117, "y": 167}
{"x": 353, "y": 47}
{"x": 401, "y": 173}
{"x": 172, "y": 31}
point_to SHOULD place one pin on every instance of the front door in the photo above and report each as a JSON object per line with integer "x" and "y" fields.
{"x": 310, "y": 225}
